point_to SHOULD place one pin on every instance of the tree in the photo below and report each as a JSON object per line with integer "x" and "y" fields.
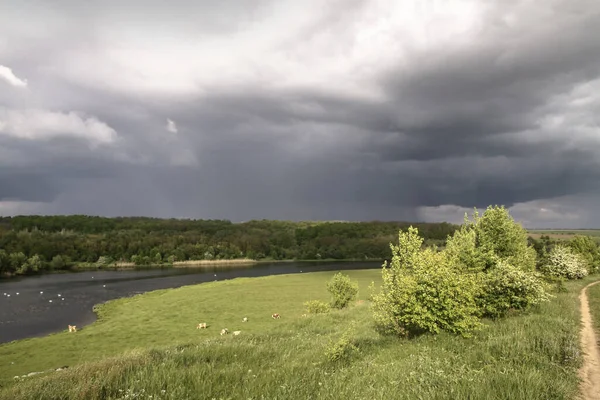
{"x": 17, "y": 260}
{"x": 588, "y": 249}
{"x": 422, "y": 292}
{"x": 4, "y": 262}
{"x": 500, "y": 237}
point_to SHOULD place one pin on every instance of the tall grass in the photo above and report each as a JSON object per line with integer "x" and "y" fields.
{"x": 153, "y": 350}
{"x": 593, "y": 293}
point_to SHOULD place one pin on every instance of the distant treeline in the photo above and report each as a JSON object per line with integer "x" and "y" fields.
{"x": 32, "y": 243}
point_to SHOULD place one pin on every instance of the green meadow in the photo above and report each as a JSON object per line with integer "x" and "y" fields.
{"x": 148, "y": 346}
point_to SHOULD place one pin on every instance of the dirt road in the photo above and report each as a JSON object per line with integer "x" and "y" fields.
{"x": 590, "y": 371}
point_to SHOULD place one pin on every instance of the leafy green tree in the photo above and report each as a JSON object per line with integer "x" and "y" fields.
{"x": 31, "y": 265}
{"x": 588, "y": 249}
{"x": 503, "y": 239}
{"x": 17, "y": 260}
{"x": 422, "y": 292}
{"x": 342, "y": 290}
{"x": 4, "y": 262}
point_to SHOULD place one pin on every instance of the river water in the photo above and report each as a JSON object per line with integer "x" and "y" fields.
{"x": 40, "y": 305}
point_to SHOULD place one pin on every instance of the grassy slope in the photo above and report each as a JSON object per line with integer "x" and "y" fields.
{"x": 529, "y": 356}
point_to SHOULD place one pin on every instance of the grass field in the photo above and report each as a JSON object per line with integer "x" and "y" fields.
{"x": 565, "y": 234}
{"x": 148, "y": 346}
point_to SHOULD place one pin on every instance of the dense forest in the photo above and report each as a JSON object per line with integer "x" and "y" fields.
{"x": 29, "y": 244}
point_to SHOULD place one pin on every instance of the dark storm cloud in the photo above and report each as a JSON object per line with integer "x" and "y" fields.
{"x": 302, "y": 123}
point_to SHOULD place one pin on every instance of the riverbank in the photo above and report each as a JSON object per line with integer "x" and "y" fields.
{"x": 153, "y": 347}
{"x": 235, "y": 262}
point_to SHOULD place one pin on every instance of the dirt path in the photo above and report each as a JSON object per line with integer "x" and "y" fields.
{"x": 590, "y": 371}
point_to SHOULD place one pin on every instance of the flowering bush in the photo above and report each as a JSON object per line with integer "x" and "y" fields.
{"x": 563, "y": 263}
{"x": 506, "y": 287}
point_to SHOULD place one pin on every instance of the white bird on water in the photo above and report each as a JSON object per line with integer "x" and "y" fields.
{"x": 8, "y": 295}
{"x": 49, "y": 301}
{"x": 59, "y": 295}
{"x": 103, "y": 285}
{"x": 41, "y": 292}
{"x": 17, "y": 293}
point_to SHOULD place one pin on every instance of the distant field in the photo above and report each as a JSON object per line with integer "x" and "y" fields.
{"x": 565, "y": 234}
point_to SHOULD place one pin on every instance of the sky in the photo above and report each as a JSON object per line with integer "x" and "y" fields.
{"x": 279, "y": 109}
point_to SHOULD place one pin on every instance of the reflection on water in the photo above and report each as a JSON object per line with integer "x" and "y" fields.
{"x": 39, "y": 305}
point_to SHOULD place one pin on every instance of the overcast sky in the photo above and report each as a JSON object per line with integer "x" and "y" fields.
{"x": 301, "y": 110}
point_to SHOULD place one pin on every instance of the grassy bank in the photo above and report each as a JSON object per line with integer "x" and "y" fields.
{"x": 206, "y": 263}
{"x": 148, "y": 345}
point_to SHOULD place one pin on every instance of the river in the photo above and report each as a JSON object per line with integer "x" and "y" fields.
{"x": 39, "y": 305}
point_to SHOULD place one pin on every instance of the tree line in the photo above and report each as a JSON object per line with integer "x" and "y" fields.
{"x": 30, "y": 244}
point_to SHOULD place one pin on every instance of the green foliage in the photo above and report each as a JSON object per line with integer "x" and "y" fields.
{"x": 316, "y": 307}
{"x": 31, "y": 265}
{"x": 564, "y": 263}
{"x": 17, "y": 261}
{"x": 342, "y": 290}
{"x": 57, "y": 263}
{"x": 506, "y": 287}
{"x": 501, "y": 238}
{"x": 5, "y": 266}
{"x": 83, "y": 239}
{"x": 343, "y": 348}
{"x": 422, "y": 292}
{"x": 462, "y": 251}
{"x": 587, "y": 248}
{"x": 104, "y": 261}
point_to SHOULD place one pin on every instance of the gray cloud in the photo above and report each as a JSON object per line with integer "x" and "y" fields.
{"x": 352, "y": 110}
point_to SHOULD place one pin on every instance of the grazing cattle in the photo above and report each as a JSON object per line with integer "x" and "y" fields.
{"x": 201, "y": 325}
{"x": 224, "y": 331}
{"x": 245, "y": 319}
{"x": 275, "y": 316}
{"x": 72, "y": 328}
{"x": 237, "y": 332}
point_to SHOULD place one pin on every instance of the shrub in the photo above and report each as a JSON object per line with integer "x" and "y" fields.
{"x": 507, "y": 287}
{"x": 422, "y": 292}
{"x": 563, "y": 263}
{"x": 342, "y": 289}
{"x": 343, "y": 349}
{"x": 58, "y": 262}
{"x": 104, "y": 261}
{"x": 316, "y": 307}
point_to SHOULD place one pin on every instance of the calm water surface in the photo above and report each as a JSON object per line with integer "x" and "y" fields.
{"x": 39, "y": 305}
